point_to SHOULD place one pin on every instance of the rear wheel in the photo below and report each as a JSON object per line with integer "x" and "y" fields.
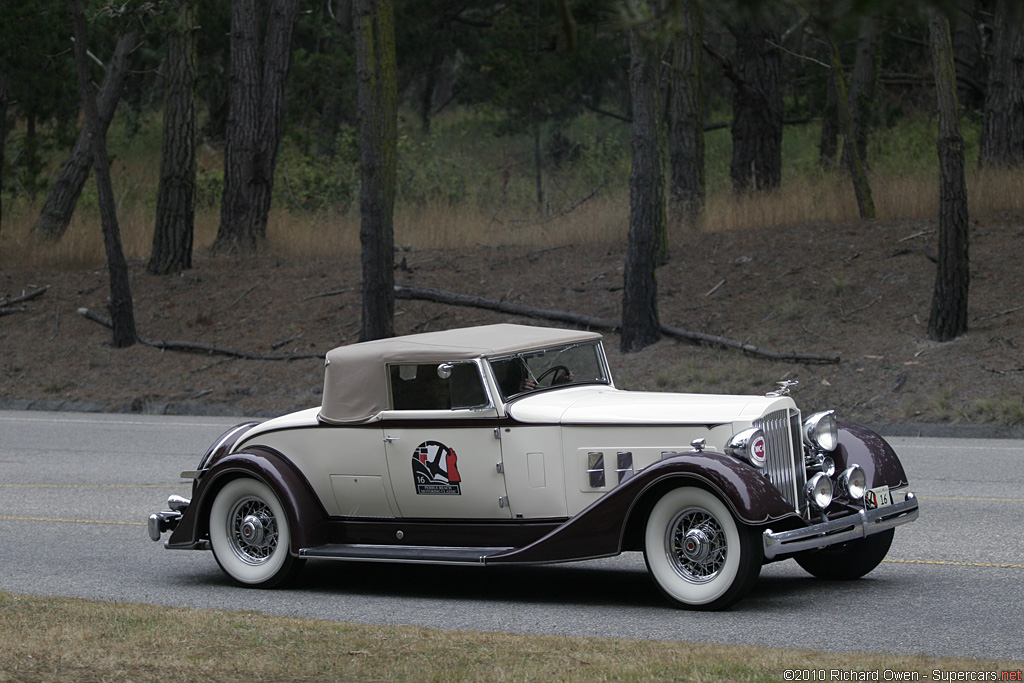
{"x": 250, "y": 535}
{"x": 699, "y": 556}
{"x": 849, "y": 560}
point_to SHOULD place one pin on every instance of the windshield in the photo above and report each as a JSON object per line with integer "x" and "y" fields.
{"x": 529, "y": 371}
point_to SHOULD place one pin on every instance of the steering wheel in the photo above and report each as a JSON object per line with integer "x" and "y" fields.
{"x": 561, "y": 375}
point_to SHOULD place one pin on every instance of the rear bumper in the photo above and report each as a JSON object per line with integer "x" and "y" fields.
{"x": 863, "y": 523}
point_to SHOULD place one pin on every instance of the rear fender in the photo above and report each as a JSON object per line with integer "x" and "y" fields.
{"x": 306, "y": 516}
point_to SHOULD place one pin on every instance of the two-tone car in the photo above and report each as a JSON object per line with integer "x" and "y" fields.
{"x": 510, "y": 444}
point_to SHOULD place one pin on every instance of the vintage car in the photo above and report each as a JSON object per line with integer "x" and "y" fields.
{"x": 509, "y": 444}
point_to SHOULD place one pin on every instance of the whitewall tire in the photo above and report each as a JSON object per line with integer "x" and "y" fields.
{"x": 250, "y": 534}
{"x": 699, "y": 556}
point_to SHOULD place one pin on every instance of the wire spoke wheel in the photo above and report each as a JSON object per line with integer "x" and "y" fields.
{"x": 250, "y": 535}
{"x": 699, "y": 555}
{"x": 252, "y": 530}
{"x": 696, "y": 545}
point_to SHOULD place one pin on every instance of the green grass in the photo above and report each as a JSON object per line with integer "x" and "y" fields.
{"x": 46, "y": 639}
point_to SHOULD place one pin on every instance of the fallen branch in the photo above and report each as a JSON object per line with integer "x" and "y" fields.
{"x": 193, "y": 347}
{"x": 591, "y": 322}
{"x": 34, "y": 294}
{"x": 10, "y": 311}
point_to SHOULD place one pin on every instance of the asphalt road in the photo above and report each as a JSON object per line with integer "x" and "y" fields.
{"x": 76, "y": 489}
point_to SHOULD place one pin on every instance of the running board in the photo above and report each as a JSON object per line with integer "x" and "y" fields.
{"x": 401, "y": 553}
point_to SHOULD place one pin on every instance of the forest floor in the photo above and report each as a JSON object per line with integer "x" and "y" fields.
{"x": 861, "y": 291}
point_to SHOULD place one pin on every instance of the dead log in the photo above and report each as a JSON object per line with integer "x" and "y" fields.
{"x": 34, "y": 294}
{"x": 193, "y": 347}
{"x": 594, "y": 323}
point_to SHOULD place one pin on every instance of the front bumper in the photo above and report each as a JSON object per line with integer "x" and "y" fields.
{"x": 863, "y": 523}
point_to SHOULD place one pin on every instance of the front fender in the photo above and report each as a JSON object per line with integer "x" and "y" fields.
{"x": 306, "y": 516}
{"x": 860, "y": 446}
{"x": 603, "y": 529}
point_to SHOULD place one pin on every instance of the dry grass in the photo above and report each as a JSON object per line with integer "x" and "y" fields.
{"x": 601, "y": 220}
{"x": 58, "y": 639}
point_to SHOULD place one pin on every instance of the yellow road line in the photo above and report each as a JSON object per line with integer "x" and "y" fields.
{"x": 985, "y": 500}
{"x": 958, "y": 564}
{"x": 70, "y": 521}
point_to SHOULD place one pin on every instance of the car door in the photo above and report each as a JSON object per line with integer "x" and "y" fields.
{"x": 443, "y": 453}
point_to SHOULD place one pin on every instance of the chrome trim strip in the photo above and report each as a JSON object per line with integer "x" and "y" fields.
{"x": 849, "y": 528}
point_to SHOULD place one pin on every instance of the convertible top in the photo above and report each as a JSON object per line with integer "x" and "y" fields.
{"x": 355, "y": 376}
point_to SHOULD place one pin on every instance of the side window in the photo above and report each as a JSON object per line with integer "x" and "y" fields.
{"x": 422, "y": 387}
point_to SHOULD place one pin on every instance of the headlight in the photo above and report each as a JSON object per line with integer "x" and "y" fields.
{"x": 820, "y": 431}
{"x": 853, "y": 482}
{"x": 749, "y": 446}
{"x": 819, "y": 491}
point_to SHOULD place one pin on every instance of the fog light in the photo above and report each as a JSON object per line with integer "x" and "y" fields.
{"x": 853, "y": 482}
{"x": 819, "y": 491}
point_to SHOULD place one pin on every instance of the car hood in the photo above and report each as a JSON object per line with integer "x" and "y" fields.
{"x": 605, "y": 405}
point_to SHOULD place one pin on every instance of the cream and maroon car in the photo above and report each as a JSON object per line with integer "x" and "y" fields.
{"x": 510, "y": 444}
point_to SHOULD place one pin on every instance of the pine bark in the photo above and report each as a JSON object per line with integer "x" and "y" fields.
{"x": 175, "y": 202}
{"x": 1002, "y": 135}
{"x": 757, "y": 111}
{"x": 686, "y": 117}
{"x": 255, "y": 118}
{"x": 851, "y": 150}
{"x": 862, "y": 89}
{"x": 640, "y": 323}
{"x": 948, "y": 317}
{"x": 3, "y": 136}
{"x": 377, "y": 84}
{"x": 60, "y": 204}
{"x": 120, "y": 302}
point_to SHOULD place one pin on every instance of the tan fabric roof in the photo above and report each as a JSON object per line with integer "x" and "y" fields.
{"x": 355, "y": 377}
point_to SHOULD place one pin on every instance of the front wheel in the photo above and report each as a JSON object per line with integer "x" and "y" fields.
{"x": 699, "y": 556}
{"x": 847, "y": 561}
{"x": 250, "y": 535}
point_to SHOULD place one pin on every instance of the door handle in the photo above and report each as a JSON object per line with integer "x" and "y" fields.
{"x": 389, "y": 438}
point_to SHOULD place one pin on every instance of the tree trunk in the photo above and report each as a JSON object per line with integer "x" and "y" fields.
{"x": 757, "y": 111}
{"x": 255, "y": 119}
{"x": 1002, "y": 134}
{"x": 851, "y": 151}
{"x": 686, "y": 117}
{"x": 862, "y": 88}
{"x": 640, "y": 325}
{"x": 276, "y": 62}
{"x": 377, "y": 80}
{"x": 948, "y": 317}
{"x": 335, "y": 101}
{"x": 175, "y": 201}
{"x": 120, "y": 302}
{"x": 3, "y": 138}
{"x": 234, "y": 232}
{"x": 829, "y": 142}
{"x": 60, "y": 205}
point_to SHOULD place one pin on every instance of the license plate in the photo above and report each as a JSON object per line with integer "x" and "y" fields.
{"x": 877, "y": 497}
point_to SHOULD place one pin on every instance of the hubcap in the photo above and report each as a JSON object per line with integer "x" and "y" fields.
{"x": 252, "y": 530}
{"x": 695, "y": 545}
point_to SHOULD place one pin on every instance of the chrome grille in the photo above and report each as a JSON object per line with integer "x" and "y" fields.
{"x": 784, "y": 461}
